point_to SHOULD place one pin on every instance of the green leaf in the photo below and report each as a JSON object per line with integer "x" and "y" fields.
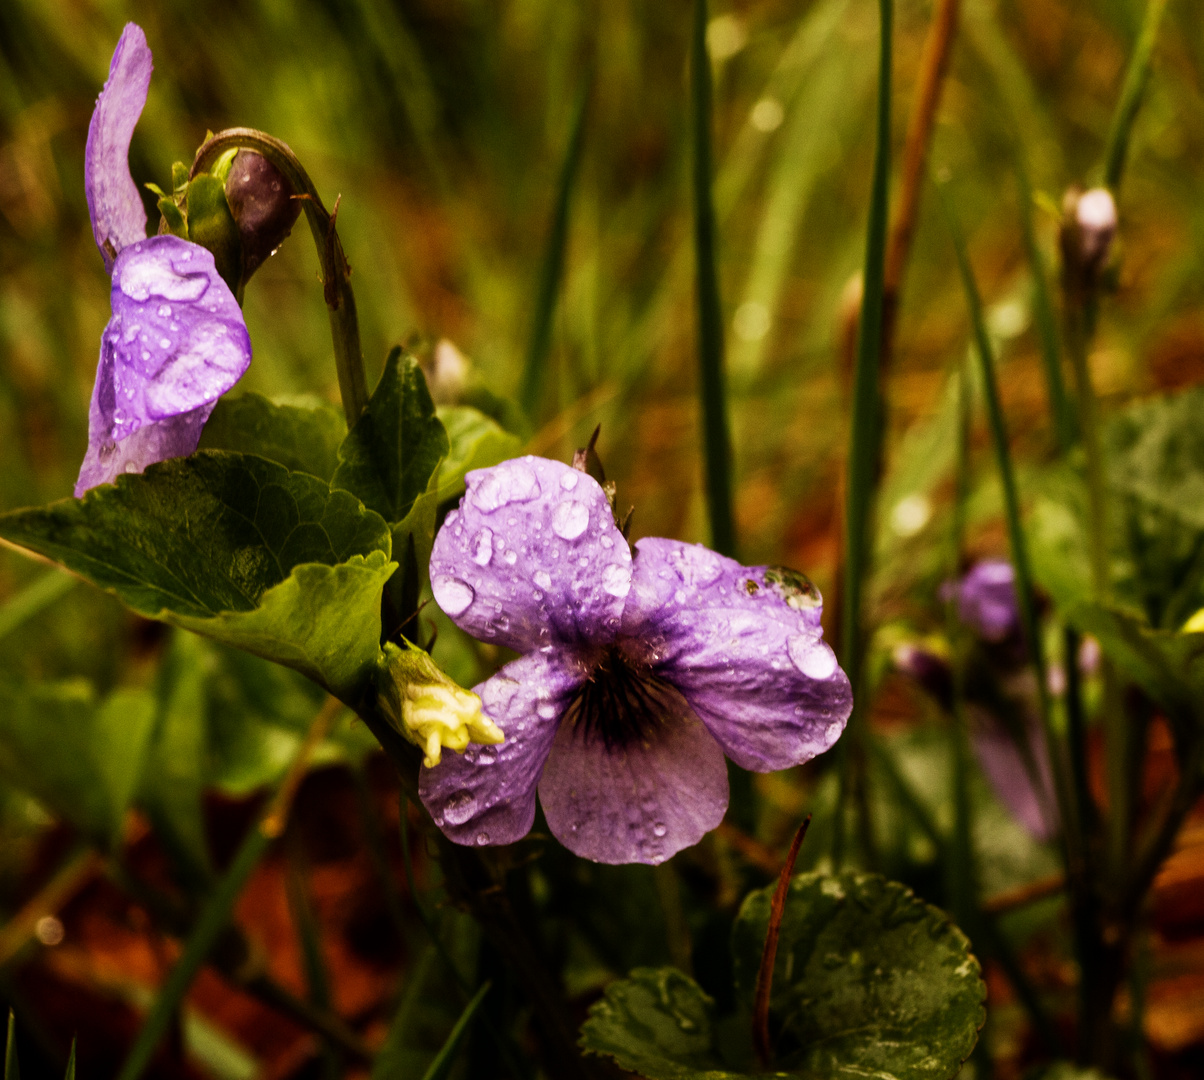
{"x": 1167, "y": 665}
{"x": 173, "y": 780}
{"x": 198, "y": 536}
{"x": 323, "y": 621}
{"x": 477, "y": 441}
{"x": 211, "y": 225}
{"x": 869, "y": 980}
{"x": 388, "y": 457}
{"x": 301, "y": 438}
{"x": 78, "y": 756}
{"x": 12, "y": 1068}
{"x": 657, "y": 1023}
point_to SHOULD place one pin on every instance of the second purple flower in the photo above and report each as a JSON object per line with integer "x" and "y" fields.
{"x": 638, "y": 674}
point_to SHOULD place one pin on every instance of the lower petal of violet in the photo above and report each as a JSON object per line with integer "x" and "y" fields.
{"x": 175, "y": 343}
{"x": 642, "y": 802}
{"x": 1009, "y": 775}
{"x": 487, "y": 794}
{"x": 744, "y": 647}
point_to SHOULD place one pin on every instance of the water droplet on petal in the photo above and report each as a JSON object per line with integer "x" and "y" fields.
{"x": 813, "y": 658}
{"x": 164, "y": 343}
{"x": 503, "y": 485}
{"x": 570, "y": 519}
{"x": 452, "y": 594}
{"x": 607, "y": 542}
{"x": 659, "y": 829}
{"x": 483, "y": 547}
{"x": 616, "y": 580}
{"x": 486, "y": 755}
{"x": 482, "y": 838}
{"x": 511, "y": 557}
{"x": 460, "y": 807}
{"x": 568, "y": 480}
{"x": 547, "y": 710}
{"x": 164, "y": 311}
{"x": 542, "y": 579}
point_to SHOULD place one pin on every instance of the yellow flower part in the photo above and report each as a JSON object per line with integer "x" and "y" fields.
{"x": 438, "y": 716}
{"x": 1195, "y": 625}
{"x": 428, "y": 708}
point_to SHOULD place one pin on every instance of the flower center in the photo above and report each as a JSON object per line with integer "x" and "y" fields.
{"x": 622, "y": 702}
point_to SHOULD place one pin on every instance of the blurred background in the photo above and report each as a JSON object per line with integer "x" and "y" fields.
{"x": 443, "y": 126}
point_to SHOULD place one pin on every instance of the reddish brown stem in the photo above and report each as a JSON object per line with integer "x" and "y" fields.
{"x": 769, "y": 954}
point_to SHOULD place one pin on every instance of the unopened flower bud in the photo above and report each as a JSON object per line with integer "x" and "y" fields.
{"x": 262, "y": 202}
{"x": 428, "y": 708}
{"x": 1088, "y": 229}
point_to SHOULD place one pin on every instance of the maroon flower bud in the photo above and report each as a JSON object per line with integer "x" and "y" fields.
{"x": 1088, "y": 229}
{"x": 262, "y": 202}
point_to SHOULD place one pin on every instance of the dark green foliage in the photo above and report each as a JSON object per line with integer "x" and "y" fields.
{"x": 388, "y": 457}
{"x": 301, "y": 438}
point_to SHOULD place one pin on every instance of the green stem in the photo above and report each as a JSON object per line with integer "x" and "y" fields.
{"x": 535, "y": 370}
{"x": 336, "y": 284}
{"x": 865, "y": 436}
{"x": 716, "y": 439}
{"x": 1136, "y": 77}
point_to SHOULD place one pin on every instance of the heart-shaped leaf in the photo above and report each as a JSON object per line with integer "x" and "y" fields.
{"x": 301, "y": 438}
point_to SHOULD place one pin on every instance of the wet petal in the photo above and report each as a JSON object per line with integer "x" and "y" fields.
{"x": 175, "y": 343}
{"x": 641, "y": 803}
{"x": 487, "y": 794}
{"x": 532, "y": 556}
{"x": 118, "y": 216}
{"x": 745, "y": 648}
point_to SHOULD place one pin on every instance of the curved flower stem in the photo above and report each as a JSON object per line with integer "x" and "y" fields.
{"x": 336, "y": 286}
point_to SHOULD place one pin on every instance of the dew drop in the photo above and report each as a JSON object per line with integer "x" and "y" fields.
{"x": 165, "y": 311}
{"x": 546, "y": 710}
{"x": 813, "y": 658}
{"x": 504, "y": 485}
{"x": 616, "y": 580}
{"x": 542, "y": 579}
{"x": 570, "y": 519}
{"x": 452, "y": 594}
{"x": 486, "y": 755}
{"x": 568, "y": 480}
{"x": 680, "y": 596}
{"x": 511, "y": 557}
{"x": 659, "y": 829}
{"x": 483, "y": 548}
{"x": 607, "y": 542}
{"x": 164, "y": 343}
{"x": 460, "y": 807}
{"x": 482, "y": 838}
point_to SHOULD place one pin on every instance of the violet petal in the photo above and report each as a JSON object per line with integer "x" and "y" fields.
{"x": 487, "y": 794}
{"x": 987, "y": 600}
{"x": 532, "y": 557}
{"x": 745, "y": 648}
{"x": 175, "y": 343}
{"x": 1009, "y": 777}
{"x": 118, "y": 216}
{"x": 641, "y": 803}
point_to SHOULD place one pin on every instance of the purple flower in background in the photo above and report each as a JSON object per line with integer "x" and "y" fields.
{"x": 986, "y": 600}
{"x": 1009, "y": 774}
{"x": 638, "y": 674}
{"x": 176, "y": 340}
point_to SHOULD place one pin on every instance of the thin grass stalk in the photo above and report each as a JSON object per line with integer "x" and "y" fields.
{"x": 1043, "y": 309}
{"x": 934, "y": 64}
{"x": 1132, "y": 91}
{"x": 38, "y": 595}
{"x": 215, "y": 915}
{"x": 865, "y": 437}
{"x": 716, "y": 439}
{"x": 1019, "y": 548}
{"x": 446, "y": 1057}
{"x": 551, "y": 270}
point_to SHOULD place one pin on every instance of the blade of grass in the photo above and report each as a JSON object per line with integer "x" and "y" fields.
{"x": 865, "y": 435}
{"x": 35, "y": 597}
{"x": 12, "y": 1068}
{"x": 552, "y": 269}
{"x": 1043, "y": 309}
{"x": 1136, "y": 76}
{"x": 70, "y": 1073}
{"x": 716, "y": 440}
{"x": 215, "y": 914}
{"x": 446, "y": 1057}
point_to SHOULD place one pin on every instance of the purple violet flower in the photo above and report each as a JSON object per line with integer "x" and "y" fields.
{"x": 638, "y": 675}
{"x": 177, "y": 340}
{"x": 986, "y": 600}
{"x": 1005, "y": 769}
